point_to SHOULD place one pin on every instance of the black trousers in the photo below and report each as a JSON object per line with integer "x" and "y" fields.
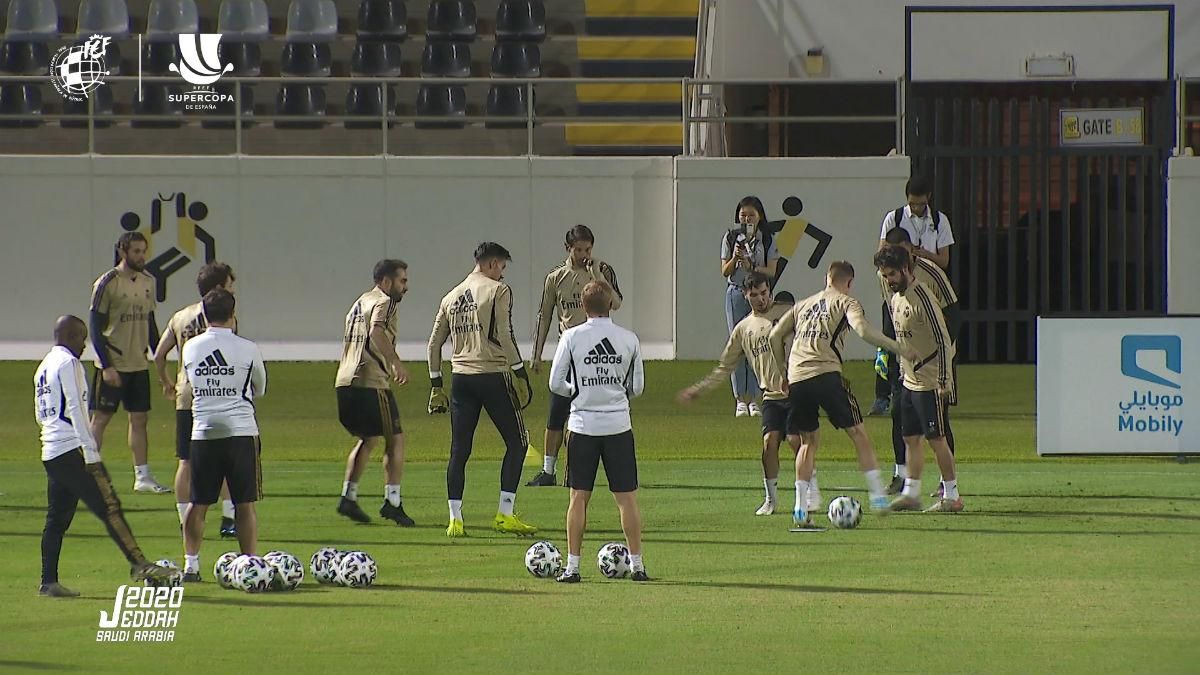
{"x": 69, "y": 480}
{"x": 469, "y": 395}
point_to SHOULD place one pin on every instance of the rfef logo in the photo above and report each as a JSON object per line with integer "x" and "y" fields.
{"x": 1171, "y": 347}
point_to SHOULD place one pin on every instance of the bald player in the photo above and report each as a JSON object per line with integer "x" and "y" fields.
{"x": 71, "y": 458}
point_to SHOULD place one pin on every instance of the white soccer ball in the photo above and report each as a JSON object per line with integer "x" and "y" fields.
{"x": 613, "y": 560}
{"x": 543, "y": 560}
{"x": 356, "y": 570}
{"x": 175, "y": 579}
{"x": 223, "y": 569}
{"x": 322, "y": 564}
{"x": 336, "y": 564}
{"x": 845, "y": 513}
{"x": 289, "y": 571}
{"x": 252, "y": 574}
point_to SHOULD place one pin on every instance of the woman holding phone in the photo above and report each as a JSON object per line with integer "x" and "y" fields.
{"x": 744, "y": 250}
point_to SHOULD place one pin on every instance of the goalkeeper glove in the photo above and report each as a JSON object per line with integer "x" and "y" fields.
{"x": 438, "y": 402}
{"x": 881, "y": 363}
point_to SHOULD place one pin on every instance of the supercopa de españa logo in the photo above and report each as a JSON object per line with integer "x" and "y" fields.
{"x": 142, "y": 614}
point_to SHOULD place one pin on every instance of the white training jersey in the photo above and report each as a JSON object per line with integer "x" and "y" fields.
{"x": 226, "y": 373}
{"x": 60, "y": 403}
{"x": 598, "y": 364}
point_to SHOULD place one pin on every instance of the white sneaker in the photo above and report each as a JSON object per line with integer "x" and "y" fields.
{"x": 742, "y": 410}
{"x": 150, "y": 485}
{"x": 767, "y": 508}
{"x": 814, "y": 501}
{"x": 754, "y": 411}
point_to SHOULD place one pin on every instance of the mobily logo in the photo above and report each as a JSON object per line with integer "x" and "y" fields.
{"x": 201, "y": 64}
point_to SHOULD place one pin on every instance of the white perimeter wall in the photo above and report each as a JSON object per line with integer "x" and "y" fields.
{"x": 1183, "y": 235}
{"x": 864, "y": 39}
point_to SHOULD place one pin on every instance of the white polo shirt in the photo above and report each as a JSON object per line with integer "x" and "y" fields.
{"x": 920, "y": 229}
{"x": 226, "y": 373}
{"x": 60, "y": 404}
{"x": 598, "y": 365}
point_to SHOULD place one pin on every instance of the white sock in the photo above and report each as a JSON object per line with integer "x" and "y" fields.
{"x": 227, "y": 509}
{"x": 143, "y": 472}
{"x": 350, "y": 490}
{"x": 635, "y": 562}
{"x": 874, "y": 482}
{"x": 802, "y": 487}
{"x": 772, "y": 487}
{"x": 455, "y": 509}
{"x": 182, "y": 508}
{"x": 548, "y": 463}
{"x": 507, "y": 501}
{"x": 812, "y": 482}
{"x": 901, "y": 471}
{"x": 912, "y": 488}
{"x": 191, "y": 563}
{"x": 392, "y": 494}
{"x": 572, "y": 563}
{"x": 951, "y": 489}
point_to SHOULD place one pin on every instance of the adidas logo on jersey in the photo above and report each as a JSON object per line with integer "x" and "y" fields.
{"x": 215, "y": 364}
{"x": 602, "y": 353}
{"x": 464, "y": 303}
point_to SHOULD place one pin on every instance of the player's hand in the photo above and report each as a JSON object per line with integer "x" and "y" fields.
{"x": 169, "y": 390}
{"x": 535, "y": 366}
{"x": 398, "y": 372}
{"x": 687, "y": 395}
{"x": 438, "y": 402}
{"x": 784, "y": 387}
{"x": 111, "y": 377}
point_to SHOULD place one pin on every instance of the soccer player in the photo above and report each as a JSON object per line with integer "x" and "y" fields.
{"x": 598, "y": 367}
{"x": 477, "y": 316}
{"x": 561, "y": 294}
{"x": 939, "y": 285}
{"x": 929, "y": 231}
{"x": 123, "y": 329}
{"x": 749, "y": 340}
{"x": 227, "y": 374}
{"x": 928, "y": 380}
{"x": 184, "y": 325}
{"x": 366, "y": 405}
{"x": 818, "y": 325}
{"x": 71, "y": 457}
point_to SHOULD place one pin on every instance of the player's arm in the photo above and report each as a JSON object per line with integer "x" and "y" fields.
{"x": 152, "y": 324}
{"x": 382, "y": 343}
{"x": 635, "y": 382}
{"x": 258, "y": 375}
{"x": 165, "y": 345}
{"x": 437, "y": 338}
{"x": 560, "y": 368}
{"x": 730, "y": 356}
{"x": 504, "y": 328}
{"x": 610, "y": 275}
{"x": 70, "y": 378}
{"x": 858, "y": 322}
{"x": 945, "y": 239}
{"x": 545, "y": 317}
{"x": 937, "y": 323}
{"x": 953, "y": 317}
{"x": 889, "y": 222}
{"x": 784, "y": 329}
{"x": 98, "y": 323}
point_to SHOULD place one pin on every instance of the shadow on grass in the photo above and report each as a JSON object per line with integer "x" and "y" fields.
{"x": 804, "y": 588}
{"x": 1053, "y": 533}
{"x": 1157, "y": 498}
{"x": 36, "y": 665}
{"x": 1089, "y": 514}
{"x": 453, "y": 590}
{"x": 82, "y": 508}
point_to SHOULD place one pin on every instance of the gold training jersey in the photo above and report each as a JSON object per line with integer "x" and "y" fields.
{"x": 128, "y": 302}
{"x": 362, "y": 365}
{"x": 562, "y": 294}
{"x": 750, "y": 340}
{"x": 184, "y": 325}
{"x": 820, "y": 323}
{"x": 932, "y": 276}
{"x": 920, "y": 326}
{"x": 477, "y": 317}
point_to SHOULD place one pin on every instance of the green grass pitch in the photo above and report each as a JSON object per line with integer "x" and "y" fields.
{"x": 1063, "y": 566}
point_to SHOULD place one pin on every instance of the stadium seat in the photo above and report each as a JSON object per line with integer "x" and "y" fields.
{"x": 246, "y": 57}
{"x": 157, "y": 57}
{"x": 24, "y": 57}
{"x": 247, "y": 107}
{"x": 166, "y": 19}
{"x": 312, "y": 21}
{"x": 306, "y": 59}
{"x": 20, "y": 99}
{"x": 102, "y": 106}
{"x": 301, "y": 101}
{"x": 102, "y": 17}
{"x": 506, "y": 100}
{"x": 376, "y": 58}
{"x": 523, "y": 20}
{"x": 31, "y": 21}
{"x": 367, "y": 100}
{"x": 451, "y": 20}
{"x": 446, "y": 59}
{"x": 441, "y": 101}
{"x": 382, "y": 19}
{"x": 243, "y": 21}
{"x": 516, "y": 59}
{"x": 155, "y": 101}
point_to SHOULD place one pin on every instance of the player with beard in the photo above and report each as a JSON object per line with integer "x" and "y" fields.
{"x": 366, "y": 405}
{"x": 123, "y": 331}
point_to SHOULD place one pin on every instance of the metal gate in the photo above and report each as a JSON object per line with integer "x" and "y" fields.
{"x": 1043, "y": 229}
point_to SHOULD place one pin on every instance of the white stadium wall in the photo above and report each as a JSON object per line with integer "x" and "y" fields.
{"x": 865, "y": 39}
{"x": 1183, "y": 235}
